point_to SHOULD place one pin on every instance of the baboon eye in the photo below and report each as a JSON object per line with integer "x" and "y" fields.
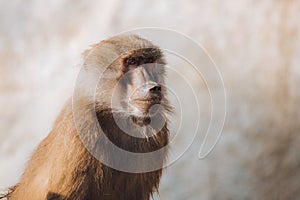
{"x": 131, "y": 61}
{"x": 150, "y": 60}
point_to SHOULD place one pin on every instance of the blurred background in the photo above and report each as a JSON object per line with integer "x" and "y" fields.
{"x": 256, "y": 45}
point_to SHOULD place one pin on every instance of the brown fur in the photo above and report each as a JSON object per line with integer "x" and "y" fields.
{"x": 63, "y": 168}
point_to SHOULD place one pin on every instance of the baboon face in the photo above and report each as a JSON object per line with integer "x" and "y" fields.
{"x": 141, "y": 82}
{"x": 132, "y": 75}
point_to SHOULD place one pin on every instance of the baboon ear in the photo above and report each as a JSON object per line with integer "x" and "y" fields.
{"x": 54, "y": 196}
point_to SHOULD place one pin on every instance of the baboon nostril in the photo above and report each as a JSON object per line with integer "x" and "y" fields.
{"x": 156, "y": 88}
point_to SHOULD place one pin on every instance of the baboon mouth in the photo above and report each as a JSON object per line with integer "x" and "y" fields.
{"x": 149, "y": 101}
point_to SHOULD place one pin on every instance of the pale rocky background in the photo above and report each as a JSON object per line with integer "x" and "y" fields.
{"x": 256, "y": 45}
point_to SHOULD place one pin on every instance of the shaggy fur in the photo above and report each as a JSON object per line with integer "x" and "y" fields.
{"x": 63, "y": 168}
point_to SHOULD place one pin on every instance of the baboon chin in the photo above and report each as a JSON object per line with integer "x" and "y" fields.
{"x": 129, "y": 105}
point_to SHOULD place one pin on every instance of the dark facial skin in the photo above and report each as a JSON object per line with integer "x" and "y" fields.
{"x": 142, "y": 80}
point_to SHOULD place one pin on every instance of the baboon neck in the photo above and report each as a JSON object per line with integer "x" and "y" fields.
{"x": 124, "y": 131}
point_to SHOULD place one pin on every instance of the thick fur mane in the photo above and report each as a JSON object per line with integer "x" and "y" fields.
{"x": 76, "y": 170}
{"x": 98, "y": 149}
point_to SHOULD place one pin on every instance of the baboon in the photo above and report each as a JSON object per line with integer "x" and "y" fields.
{"x": 68, "y": 164}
